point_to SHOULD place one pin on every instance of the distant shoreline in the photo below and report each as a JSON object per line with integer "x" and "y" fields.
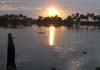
{"x": 74, "y": 20}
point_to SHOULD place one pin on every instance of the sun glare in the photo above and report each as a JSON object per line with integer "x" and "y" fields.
{"x": 52, "y": 12}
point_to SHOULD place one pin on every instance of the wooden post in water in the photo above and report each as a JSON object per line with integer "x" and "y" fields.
{"x": 10, "y": 54}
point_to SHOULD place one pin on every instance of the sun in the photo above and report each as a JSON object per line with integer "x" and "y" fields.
{"x": 52, "y": 12}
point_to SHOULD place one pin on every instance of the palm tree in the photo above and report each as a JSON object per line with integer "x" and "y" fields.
{"x": 87, "y": 20}
{"x": 69, "y": 21}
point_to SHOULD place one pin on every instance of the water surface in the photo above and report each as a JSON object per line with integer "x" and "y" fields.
{"x": 46, "y": 47}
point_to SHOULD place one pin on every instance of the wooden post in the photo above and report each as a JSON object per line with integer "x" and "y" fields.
{"x": 10, "y": 54}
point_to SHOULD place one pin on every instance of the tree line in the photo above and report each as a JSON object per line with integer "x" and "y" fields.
{"x": 13, "y": 20}
{"x": 77, "y": 19}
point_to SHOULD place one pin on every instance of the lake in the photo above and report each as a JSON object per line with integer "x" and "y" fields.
{"x": 41, "y": 48}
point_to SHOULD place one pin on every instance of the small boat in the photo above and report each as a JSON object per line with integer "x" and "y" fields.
{"x": 85, "y": 52}
{"x": 41, "y": 32}
{"x": 53, "y": 68}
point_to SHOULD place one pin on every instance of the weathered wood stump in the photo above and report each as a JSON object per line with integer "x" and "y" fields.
{"x": 10, "y": 54}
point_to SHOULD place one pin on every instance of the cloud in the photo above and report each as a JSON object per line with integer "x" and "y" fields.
{"x": 26, "y": 8}
{"x": 3, "y": 2}
{"x": 9, "y": 1}
{"x": 14, "y": 8}
{"x": 39, "y": 8}
{"x": 7, "y": 8}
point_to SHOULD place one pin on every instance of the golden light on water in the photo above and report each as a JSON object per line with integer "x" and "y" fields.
{"x": 51, "y": 35}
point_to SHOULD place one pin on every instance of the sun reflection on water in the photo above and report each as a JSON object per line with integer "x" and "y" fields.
{"x": 52, "y": 31}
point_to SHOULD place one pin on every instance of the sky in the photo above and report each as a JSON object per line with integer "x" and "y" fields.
{"x": 35, "y": 8}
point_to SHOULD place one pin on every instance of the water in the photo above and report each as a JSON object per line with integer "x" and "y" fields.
{"x": 34, "y": 52}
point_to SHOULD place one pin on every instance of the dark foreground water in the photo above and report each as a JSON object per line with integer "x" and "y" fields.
{"x": 33, "y": 50}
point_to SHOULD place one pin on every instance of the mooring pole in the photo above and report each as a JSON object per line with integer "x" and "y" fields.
{"x": 10, "y": 54}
